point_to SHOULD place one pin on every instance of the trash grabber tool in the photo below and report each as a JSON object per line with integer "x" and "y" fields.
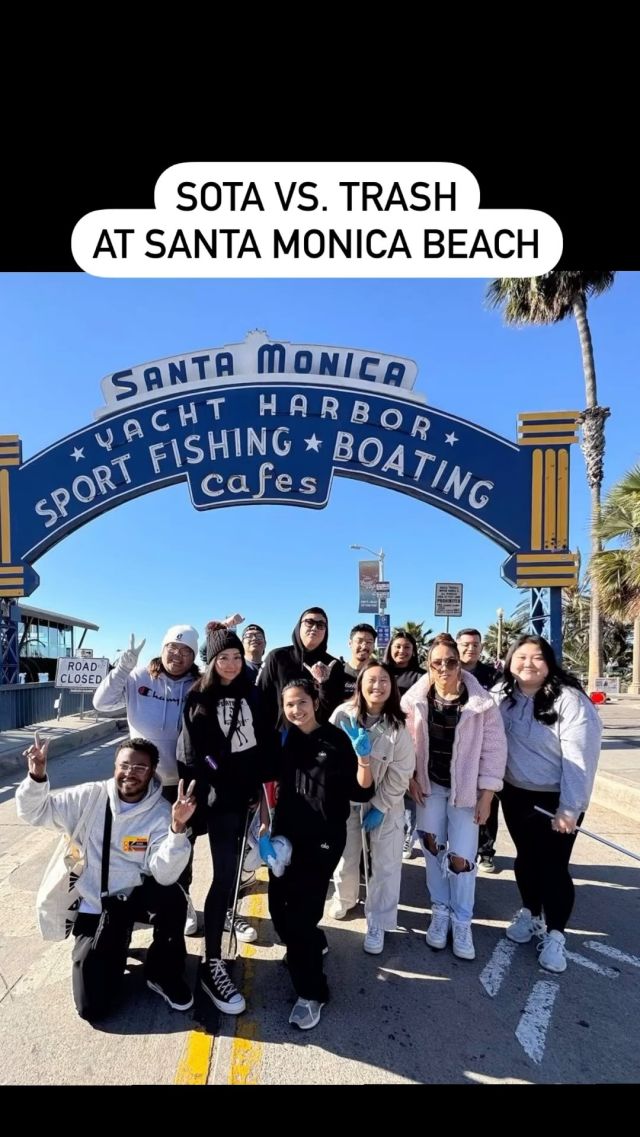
{"x": 588, "y": 833}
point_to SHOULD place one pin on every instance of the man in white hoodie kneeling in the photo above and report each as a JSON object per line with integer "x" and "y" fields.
{"x": 148, "y": 847}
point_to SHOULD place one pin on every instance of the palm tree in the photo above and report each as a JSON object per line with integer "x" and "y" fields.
{"x": 617, "y": 571}
{"x": 421, "y": 637}
{"x": 549, "y": 299}
{"x": 511, "y": 631}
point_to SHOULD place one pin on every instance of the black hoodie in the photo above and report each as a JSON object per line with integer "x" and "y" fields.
{"x": 286, "y": 663}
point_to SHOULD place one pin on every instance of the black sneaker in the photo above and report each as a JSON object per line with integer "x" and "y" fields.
{"x": 487, "y": 864}
{"x": 175, "y": 992}
{"x": 216, "y": 982}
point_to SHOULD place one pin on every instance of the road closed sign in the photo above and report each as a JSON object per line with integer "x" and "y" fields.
{"x": 78, "y": 674}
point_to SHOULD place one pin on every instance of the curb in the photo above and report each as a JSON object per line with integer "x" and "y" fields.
{"x": 613, "y": 793}
{"x": 13, "y": 759}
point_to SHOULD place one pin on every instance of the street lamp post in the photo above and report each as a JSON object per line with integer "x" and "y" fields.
{"x": 500, "y": 615}
{"x": 382, "y": 600}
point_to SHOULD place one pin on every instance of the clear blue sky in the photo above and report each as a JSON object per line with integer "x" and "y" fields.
{"x": 155, "y": 561}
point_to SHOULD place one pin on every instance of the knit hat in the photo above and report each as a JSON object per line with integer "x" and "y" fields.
{"x": 254, "y": 628}
{"x": 182, "y": 634}
{"x": 221, "y": 639}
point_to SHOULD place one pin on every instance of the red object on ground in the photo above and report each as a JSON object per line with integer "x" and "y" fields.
{"x": 598, "y": 697}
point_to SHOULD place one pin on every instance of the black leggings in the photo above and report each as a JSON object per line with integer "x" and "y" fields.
{"x": 542, "y": 863}
{"x": 225, "y": 835}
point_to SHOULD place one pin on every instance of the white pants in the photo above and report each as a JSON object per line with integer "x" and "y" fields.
{"x": 385, "y": 842}
{"x": 456, "y": 835}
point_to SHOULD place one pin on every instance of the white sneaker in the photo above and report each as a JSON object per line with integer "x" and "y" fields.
{"x": 243, "y": 930}
{"x": 191, "y": 922}
{"x": 524, "y": 927}
{"x": 374, "y": 940}
{"x": 552, "y": 952}
{"x": 306, "y": 1013}
{"x": 438, "y": 929}
{"x": 463, "y": 940}
{"x": 338, "y": 910}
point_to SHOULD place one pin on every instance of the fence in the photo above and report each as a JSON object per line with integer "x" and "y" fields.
{"x": 24, "y": 703}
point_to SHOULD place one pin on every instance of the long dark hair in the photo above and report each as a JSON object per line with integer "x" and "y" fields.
{"x": 545, "y": 697}
{"x": 414, "y": 662}
{"x": 211, "y": 682}
{"x": 393, "y": 712}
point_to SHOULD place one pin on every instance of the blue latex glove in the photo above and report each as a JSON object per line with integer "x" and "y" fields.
{"x": 374, "y": 818}
{"x": 266, "y": 848}
{"x": 359, "y": 739}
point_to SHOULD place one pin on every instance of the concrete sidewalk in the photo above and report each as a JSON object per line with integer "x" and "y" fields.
{"x": 70, "y": 732}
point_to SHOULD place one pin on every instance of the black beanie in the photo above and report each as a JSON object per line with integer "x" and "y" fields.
{"x": 222, "y": 639}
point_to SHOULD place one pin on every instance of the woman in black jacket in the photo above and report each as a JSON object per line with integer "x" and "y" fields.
{"x": 319, "y": 775}
{"x": 223, "y": 745}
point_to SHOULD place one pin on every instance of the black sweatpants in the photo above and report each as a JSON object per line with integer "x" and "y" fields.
{"x": 542, "y": 863}
{"x": 98, "y": 967}
{"x": 296, "y": 904}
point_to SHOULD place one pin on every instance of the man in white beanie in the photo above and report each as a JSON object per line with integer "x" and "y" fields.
{"x": 154, "y": 698}
{"x": 154, "y": 695}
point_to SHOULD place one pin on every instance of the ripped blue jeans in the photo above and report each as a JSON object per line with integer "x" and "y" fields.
{"x": 456, "y": 834}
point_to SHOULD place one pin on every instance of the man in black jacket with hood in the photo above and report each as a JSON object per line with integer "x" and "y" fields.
{"x": 308, "y": 655}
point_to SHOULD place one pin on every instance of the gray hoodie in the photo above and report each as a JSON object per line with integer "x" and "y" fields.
{"x": 142, "y": 842}
{"x": 154, "y": 710}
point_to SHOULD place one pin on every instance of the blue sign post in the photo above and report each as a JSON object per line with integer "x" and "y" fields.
{"x": 278, "y": 436}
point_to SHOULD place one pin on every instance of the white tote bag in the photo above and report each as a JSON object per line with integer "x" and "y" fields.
{"x": 58, "y": 899}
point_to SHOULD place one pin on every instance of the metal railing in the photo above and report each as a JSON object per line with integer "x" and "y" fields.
{"x": 22, "y": 704}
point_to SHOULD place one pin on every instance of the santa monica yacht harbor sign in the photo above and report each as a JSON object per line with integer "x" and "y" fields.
{"x": 272, "y": 422}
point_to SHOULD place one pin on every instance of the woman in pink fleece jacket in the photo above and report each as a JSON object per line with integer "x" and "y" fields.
{"x": 461, "y": 754}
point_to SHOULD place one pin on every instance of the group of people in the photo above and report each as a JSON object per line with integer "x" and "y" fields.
{"x": 367, "y": 755}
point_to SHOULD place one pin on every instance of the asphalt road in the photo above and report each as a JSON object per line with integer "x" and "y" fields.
{"x": 410, "y": 1015}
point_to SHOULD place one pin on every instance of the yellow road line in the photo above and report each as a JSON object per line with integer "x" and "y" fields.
{"x": 195, "y": 1060}
{"x": 246, "y": 1049}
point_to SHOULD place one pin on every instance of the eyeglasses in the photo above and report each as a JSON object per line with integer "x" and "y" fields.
{"x": 178, "y": 649}
{"x": 308, "y": 623}
{"x": 126, "y": 767}
{"x": 449, "y": 663}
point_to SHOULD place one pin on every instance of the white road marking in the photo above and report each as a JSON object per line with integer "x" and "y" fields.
{"x": 493, "y": 974}
{"x": 613, "y": 953}
{"x": 608, "y": 972}
{"x": 531, "y": 1031}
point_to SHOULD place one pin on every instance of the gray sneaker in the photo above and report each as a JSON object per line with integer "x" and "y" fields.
{"x": 306, "y": 1013}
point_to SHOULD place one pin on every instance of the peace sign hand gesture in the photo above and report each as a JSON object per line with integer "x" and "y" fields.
{"x": 36, "y": 756}
{"x": 359, "y": 738}
{"x": 129, "y": 658}
{"x": 183, "y": 808}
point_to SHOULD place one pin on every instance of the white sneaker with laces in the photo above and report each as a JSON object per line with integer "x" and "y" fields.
{"x": 407, "y": 848}
{"x": 438, "y": 929}
{"x": 463, "y": 940}
{"x": 524, "y": 927}
{"x": 552, "y": 952}
{"x": 244, "y": 931}
{"x": 374, "y": 940}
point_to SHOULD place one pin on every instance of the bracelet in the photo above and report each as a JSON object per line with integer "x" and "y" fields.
{"x": 365, "y": 765}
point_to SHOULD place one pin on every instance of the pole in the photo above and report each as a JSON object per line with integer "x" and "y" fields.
{"x": 555, "y": 621}
{"x": 588, "y": 833}
{"x": 447, "y": 623}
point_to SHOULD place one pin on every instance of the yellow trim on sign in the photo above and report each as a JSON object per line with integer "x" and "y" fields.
{"x": 550, "y": 498}
{"x": 549, "y": 558}
{"x": 549, "y": 440}
{"x": 536, "y": 499}
{"x": 546, "y": 581}
{"x": 534, "y": 416}
{"x": 547, "y": 428}
{"x": 5, "y": 519}
{"x": 195, "y": 1060}
{"x": 563, "y": 499}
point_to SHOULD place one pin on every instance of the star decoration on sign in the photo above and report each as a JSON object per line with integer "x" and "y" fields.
{"x": 77, "y": 453}
{"x": 313, "y": 443}
{"x": 451, "y": 439}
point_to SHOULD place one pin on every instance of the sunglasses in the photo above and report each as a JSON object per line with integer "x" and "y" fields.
{"x": 309, "y": 624}
{"x": 449, "y": 663}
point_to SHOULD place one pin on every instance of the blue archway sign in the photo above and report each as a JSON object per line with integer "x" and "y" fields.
{"x": 266, "y": 422}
